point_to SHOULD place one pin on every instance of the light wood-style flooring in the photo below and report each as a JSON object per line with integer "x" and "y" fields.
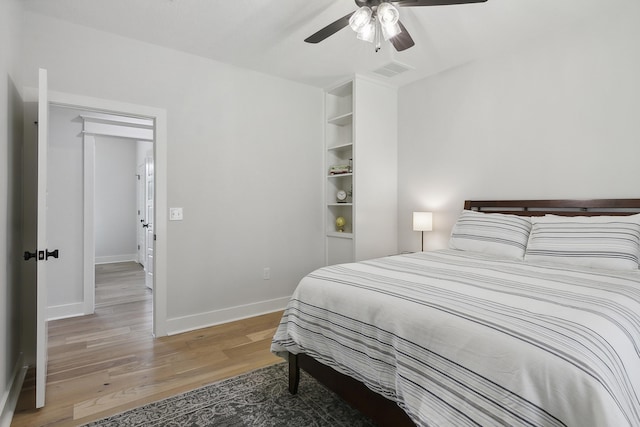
{"x": 109, "y": 362}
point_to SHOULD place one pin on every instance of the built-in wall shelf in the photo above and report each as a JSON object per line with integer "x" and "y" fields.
{"x": 341, "y": 147}
{"x": 340, "y": 235}
{"x": 356, "y": 137}
{"x": 341, "y": 120}
{"x": 340, "y": 175}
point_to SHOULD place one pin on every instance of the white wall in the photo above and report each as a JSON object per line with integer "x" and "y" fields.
{"x": 244, "y": 161}
{"x": 557, "y": 119}
{"x": 65, "y": 204}
{"x": 10, "y": 202}
{"x": 115, "y": 199}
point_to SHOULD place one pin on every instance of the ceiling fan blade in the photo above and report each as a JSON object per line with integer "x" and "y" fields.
{"x": 412, "y": 3}
{"x": 329, "y": 30}
{"x": 402, "y": 40}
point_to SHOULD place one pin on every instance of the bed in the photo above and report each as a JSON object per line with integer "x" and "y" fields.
{"x": 531, "y": 317}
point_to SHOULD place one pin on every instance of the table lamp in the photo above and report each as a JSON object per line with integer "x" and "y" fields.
{"x": 422, "y": 221}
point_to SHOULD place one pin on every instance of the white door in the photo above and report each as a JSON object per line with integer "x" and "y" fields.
{"x": 142, "y": 235}
{"x": 149, "y": 186}
{"x": 41, "y": 250}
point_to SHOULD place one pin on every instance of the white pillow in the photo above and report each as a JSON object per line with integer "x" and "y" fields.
{"x": 491, "y": 233}
{"x": 609, "y": 242}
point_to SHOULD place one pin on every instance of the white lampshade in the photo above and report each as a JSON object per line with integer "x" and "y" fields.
{"x": 422, "y": 221}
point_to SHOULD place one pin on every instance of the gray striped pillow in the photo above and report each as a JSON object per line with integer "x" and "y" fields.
{"x": 609, "y": 242}
{"x": 491, "y": 233}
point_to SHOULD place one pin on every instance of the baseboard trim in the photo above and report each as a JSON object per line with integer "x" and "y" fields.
{"x": 65, "y": 311}
{"x": 116, "y": 258}
{"x": 10, "y": 397}
{"x": 203, "y": 320}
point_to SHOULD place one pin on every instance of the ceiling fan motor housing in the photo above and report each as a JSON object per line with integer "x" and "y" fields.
{"x": 370, "y": 3}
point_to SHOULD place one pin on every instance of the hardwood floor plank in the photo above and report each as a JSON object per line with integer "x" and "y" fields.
{"x": 109, "y": 362}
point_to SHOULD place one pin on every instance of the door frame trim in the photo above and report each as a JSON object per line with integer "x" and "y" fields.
{"x": 89, "y": 270}
{"x": 159, "y": 116}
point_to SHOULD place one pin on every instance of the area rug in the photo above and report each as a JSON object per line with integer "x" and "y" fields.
{"x": 256, "y": 399}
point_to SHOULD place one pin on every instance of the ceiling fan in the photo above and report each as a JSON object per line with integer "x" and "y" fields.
{"x": 376, "y": 18}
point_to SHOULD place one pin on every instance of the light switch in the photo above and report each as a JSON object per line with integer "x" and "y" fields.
{"x": 175, "y": 214}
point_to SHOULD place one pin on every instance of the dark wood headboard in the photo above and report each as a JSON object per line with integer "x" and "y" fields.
{"x": 566, "y": 207}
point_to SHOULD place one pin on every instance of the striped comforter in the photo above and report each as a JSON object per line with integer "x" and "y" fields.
{"x": 461, "y": 339}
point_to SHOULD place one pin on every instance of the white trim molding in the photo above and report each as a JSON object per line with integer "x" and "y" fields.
{"x": 9, "y": 400}
{"x": 66, "y": 310}
{"x": 178, "y": 325}
{"x": 110, "y": 259}
{"x": 89, "y": 235}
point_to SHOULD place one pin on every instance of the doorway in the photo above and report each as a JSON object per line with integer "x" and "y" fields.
{"x": 92, "y": 184}
{"x": 159, "y": 119}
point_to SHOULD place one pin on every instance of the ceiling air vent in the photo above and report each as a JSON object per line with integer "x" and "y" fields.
{"x": 392, "y": 69}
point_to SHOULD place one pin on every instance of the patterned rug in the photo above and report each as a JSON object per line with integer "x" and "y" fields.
{"x": 258, "y": 398}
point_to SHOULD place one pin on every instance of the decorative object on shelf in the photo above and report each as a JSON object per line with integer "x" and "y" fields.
{"x": 340, "y": 223}
{"x": 341, "y": 196}
{"x": 339, "y": 169}
{"x": 422, "y": 221}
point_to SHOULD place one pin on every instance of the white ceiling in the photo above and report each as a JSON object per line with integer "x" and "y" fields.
{"x": 267, "y": 35}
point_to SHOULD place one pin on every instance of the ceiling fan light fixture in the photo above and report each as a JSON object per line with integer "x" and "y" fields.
{"x": 367, "y": 32}
{"x": 388, "y": 14}
{"x": 360, "y": 18}
{"x": 386, "y": 23}
{"x": 390, "y": 30}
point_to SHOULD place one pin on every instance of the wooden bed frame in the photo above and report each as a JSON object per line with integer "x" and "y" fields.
{"x": 563, "y": 207}
{"x": 385, "y": 412}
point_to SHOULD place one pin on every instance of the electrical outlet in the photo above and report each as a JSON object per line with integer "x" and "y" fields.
{"x": 175, "y": 214}
{"x": 266, "y": 273}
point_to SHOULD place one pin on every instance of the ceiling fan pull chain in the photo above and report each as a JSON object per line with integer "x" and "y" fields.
{"x": 377, "y": 41}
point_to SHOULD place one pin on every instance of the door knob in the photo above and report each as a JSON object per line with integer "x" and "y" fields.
{"x": 41, "y": 255}
{"x": 145, "y": 225}
{"x": 53, "y": 254}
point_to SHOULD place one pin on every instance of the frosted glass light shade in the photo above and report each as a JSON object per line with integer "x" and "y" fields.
{"x": 360, "y": 18}
{"x": 388, "y": 14}
{"x": 367, "y": 33}
{"x": 422, "y": 221}
{"x": 390, "y": 30}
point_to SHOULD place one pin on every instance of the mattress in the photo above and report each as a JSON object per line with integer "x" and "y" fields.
{"x": 461, "y": 338}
